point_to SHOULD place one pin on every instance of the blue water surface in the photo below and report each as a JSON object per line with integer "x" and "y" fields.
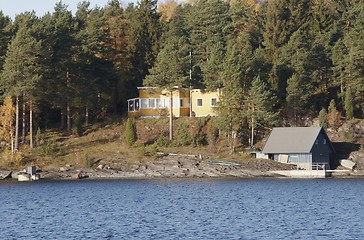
{"x": 183, "y": 209}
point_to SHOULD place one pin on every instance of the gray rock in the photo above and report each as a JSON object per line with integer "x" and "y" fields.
{"x": 5, "y": 174}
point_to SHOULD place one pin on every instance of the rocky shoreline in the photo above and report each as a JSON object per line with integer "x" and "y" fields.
{"x": 164, "y": 167}
{"x": 174, "y": 166}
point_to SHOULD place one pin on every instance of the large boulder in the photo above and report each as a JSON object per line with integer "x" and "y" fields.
{"x": 5, "y": 174}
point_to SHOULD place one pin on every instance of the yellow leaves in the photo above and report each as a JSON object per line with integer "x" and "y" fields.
{"x": 7, "y": 117}
{"x": 11, "y": 160}
{"x": 167, "y": 8}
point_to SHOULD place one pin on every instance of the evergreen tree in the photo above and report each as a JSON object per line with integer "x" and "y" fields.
{"x": 354, "y": 43}
{"x": 333, "y": 115}
{"x": 172, "y": 66}
{"x": 130, "y": 133}
{"x": 143, "y": 41}
{"x": 324, "y": 15}
{"x": 259, "y": 106}
{"x": 230, "y": 106}
{"x": 95, "y": 77}
{"x": 170, "y": 70}
{"x": 349, "y": 108}
{"x": 348, "y": 54}
{"x": 212, "y": 68}
{"x": 210, "y": 24}
{"x": 62, "y": 62}
{"x": 116, "y": 26}
{"x": 5, "y": 36}
{"x": 320, "y": 62}
{"x": 296, "y": 55}
{"x": 210, "y": 28}
{"x": 277, "y": 27}
{"x": 300, "y": 14}
{"x": 323, "y": 118}
{"x": 22, "y": 69}
{"x": 298, "y": 95}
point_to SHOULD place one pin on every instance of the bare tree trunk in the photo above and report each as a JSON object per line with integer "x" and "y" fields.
{"x": 68, "y": 79}
{"x": 86, "y": 116}
{"x": 11, "y": 138}
{"x": 16, "y": 144}
{"x": 23, "y": 121}
{"x": 233, "y": 140}
{"x": 171, "y": 118}
{"x": 68, "y": 118}
{"x": 252, "y": 134}
{"x": 31, "y": 124}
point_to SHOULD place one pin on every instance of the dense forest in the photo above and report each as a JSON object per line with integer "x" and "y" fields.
{"x": 277, "y": 62}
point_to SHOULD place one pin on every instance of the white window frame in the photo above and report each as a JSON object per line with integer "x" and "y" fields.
{"x": 144, "y": 103}
{"x": 213, "y": 98}
{"x": 152, "y": 103}
{"x": 197, "y": 102}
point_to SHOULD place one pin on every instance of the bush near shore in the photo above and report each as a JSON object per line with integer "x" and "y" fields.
{"x": 105, "y": 145}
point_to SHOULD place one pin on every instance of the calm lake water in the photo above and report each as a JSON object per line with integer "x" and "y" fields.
{"x": 183, "y": 209}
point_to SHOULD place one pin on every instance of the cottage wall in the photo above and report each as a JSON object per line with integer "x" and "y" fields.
{"x": 321, "y": 151}
{"x": 302, "y": 160}
{"x": 204, "y": 103}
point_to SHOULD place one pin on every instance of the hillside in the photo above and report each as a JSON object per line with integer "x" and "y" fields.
{"x": 101, "y": 152}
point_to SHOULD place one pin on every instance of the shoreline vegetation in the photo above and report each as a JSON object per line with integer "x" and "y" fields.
{"x": 66, "y": 78}
{"x": 101, "y": 152}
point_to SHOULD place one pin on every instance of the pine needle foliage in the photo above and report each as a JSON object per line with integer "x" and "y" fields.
{"x": 130, "y": 133}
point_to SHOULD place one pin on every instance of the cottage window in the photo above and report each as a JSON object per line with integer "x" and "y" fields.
{"x": 144, "y": 103}
{"x": 199, "y": 102}
{"x": 158, "y": 102}
{"x": 136, "y": 104}
{"x": 167, "y": 103}
{"x": 152, "y": 103}
{"x": 181, "y": 102}
{"x": 131, "y": 106}
{"x": 324, "y": 141}
{"x": 213, "y": 102}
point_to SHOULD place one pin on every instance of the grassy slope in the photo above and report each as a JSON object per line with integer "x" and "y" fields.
{"x": 103, "y": 144}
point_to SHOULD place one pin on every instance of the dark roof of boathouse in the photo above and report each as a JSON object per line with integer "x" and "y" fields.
{"x": 293, "y": 139}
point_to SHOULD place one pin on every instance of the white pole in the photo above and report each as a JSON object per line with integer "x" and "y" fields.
{"x": 190, "y": 83}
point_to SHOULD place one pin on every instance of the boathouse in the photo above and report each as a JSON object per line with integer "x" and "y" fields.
{"x": 307, "y": 147}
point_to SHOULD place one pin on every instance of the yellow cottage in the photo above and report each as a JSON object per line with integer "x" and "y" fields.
{"x": 155, "y": 102}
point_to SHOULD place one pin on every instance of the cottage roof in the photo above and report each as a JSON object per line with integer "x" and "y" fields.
{"x": 292, "y": 140}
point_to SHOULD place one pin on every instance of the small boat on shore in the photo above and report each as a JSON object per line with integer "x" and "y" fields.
{"x": 29, "y": 175}
{"x": 23, "y": 176}
{"x": 225, "y": 163}
{"x": 346, "y": 163}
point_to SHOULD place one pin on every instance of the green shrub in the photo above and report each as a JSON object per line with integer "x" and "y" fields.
{"x": 183, "y": 135}
{"x": 130, "y": 133}
{"x": 48, "y": 146}
{"x": 38, "y": 137}
{"x": 212, "y": 134}
{"x": 86, "y": 160}
{"x": 141, "y": 150}
{"x": 154, "y": 150}
{"x": 199, "y": 137}
{"x": 77, "y": 124}
{"x": 323, "y": 118}
{"x": 162, "y": 141}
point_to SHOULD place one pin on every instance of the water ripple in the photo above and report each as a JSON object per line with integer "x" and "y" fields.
{"x": 183, "y": 209}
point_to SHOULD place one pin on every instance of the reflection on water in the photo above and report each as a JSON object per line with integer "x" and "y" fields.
{"x": 183, "y": 209}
